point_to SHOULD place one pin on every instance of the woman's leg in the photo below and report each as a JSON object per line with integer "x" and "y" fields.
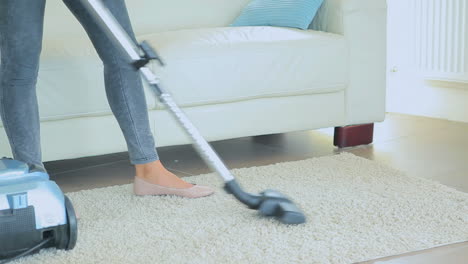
{"x": 21, "y": 23}
{"x": 126, "y": 96}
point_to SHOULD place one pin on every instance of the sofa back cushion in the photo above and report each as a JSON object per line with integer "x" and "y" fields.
{"x": 150, "y": 16}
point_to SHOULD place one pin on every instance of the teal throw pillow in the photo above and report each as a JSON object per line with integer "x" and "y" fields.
{"x": 279, "y": 13}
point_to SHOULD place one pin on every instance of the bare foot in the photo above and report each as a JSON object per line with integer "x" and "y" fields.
{"x": 154, "y": 172}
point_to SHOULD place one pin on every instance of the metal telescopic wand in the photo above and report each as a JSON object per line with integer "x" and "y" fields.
{"x": 269, "y": 202}
{"x": 139, "y": 56}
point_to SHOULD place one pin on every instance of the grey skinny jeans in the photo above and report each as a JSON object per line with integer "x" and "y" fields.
{"x": 21, "y": 27}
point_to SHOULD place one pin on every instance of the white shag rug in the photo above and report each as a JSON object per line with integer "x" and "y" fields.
{"x": 357, "y": 210}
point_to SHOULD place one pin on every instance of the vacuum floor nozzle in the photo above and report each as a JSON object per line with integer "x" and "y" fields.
{"x": 268, "y": 203}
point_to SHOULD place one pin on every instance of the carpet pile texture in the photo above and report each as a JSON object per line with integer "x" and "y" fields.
{"x": 357, "y": 210}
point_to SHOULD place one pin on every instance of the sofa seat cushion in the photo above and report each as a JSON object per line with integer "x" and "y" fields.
{"x": 216, "y": 65}
{"x": 204, "y": 66}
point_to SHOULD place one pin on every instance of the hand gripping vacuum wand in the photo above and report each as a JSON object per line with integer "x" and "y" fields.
{"x": 269, "y": 202}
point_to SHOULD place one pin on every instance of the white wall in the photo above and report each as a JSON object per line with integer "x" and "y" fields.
{"x": 407, "y": 90}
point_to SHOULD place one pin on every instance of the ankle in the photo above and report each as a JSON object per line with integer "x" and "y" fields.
{"x": 147, "y": 170}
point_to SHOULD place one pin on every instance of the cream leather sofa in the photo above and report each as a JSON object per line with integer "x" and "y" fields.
{"x": 231, "y": 81}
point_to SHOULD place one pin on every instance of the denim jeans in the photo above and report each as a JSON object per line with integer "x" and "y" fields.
{"x": 21, "y": 27}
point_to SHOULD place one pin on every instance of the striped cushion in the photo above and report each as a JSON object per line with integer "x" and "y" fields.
{"x": 280, "y": 13}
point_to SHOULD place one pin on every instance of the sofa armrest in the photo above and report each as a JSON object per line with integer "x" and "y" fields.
{"x": 363, "y": 23}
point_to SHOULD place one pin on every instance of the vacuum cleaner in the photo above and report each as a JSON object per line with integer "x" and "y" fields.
{"x": 34, "y": 213}
{"x": 269, "y": 202}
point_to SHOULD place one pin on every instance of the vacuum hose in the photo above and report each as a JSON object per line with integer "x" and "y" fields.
{"x": 28, "y": 251}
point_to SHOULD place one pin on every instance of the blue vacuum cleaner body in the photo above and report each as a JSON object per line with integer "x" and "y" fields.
{"x": 34, "y": 213}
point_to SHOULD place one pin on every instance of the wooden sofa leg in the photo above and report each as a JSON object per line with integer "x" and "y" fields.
{"x": 350, "y": 136}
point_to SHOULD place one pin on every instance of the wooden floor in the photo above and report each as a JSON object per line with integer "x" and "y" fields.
{"x": 430, "y": 148}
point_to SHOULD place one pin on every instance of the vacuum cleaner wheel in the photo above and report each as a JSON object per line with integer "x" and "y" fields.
{"x": 72, "y": 224}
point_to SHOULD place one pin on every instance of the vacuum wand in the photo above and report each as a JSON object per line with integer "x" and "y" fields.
{"x": 269, "y": 203}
